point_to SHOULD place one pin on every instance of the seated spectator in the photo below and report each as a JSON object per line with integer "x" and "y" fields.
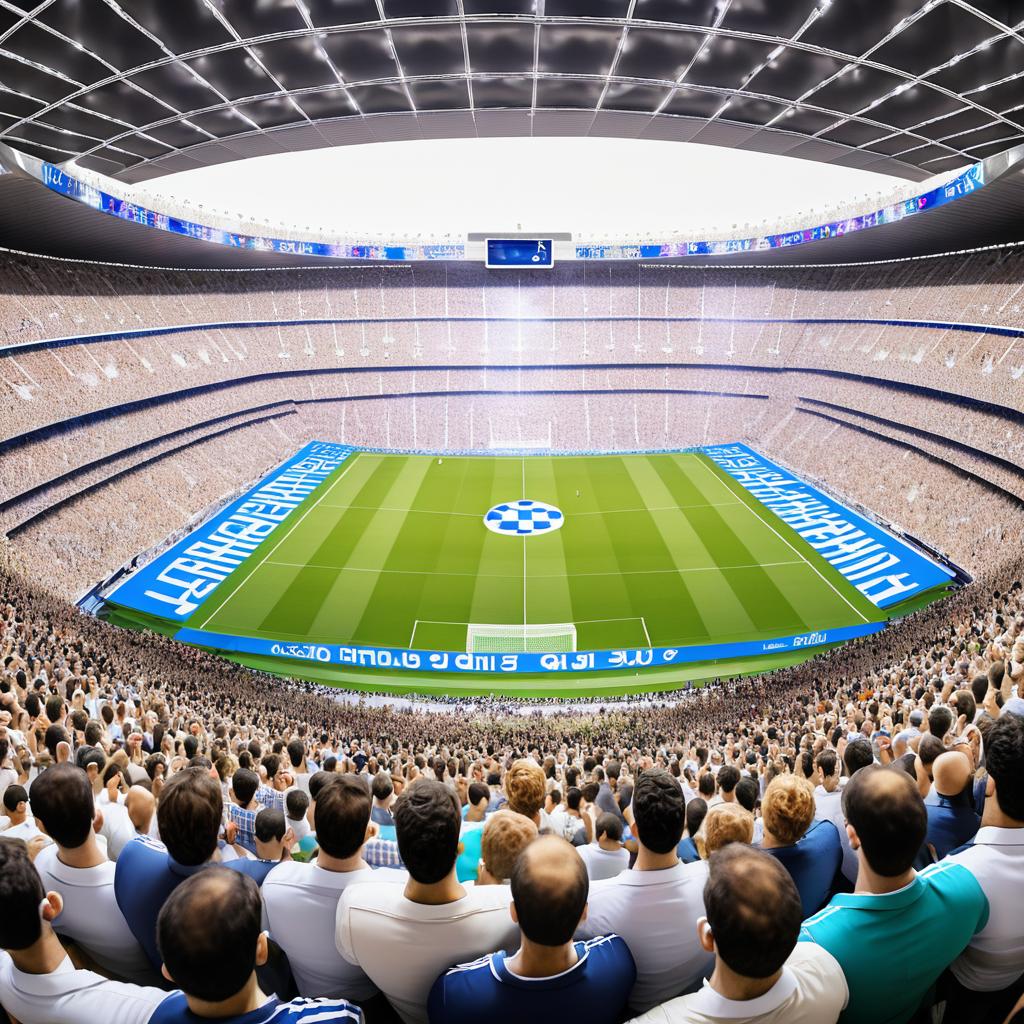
{"x": 550, "y": 977}
{"x": 952, "y": 820}
{"x": 605, "y": 857}
{"x": 38, "y": 982}
{"x": 696, "y": 810}
{"x": 897, "y": 932}
{"x": 269, "y": 835}
{"x": 762, "y": 975}
{"x": 504, "y": 837}
{"x": 189, "y": 818}
{"x": 809, "y": 850}
{"x": 215, "y": 967}
{"x": 301, "y": 900}
{"x": 722, "y": 825}
{"x": 403, "y": 938}
{"x": 654, "y": 906}
{"x": 79, "y": 870}
{"x": 987, "y": 977}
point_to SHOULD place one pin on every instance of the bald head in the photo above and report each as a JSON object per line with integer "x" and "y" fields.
{"x": 885, "y": 809}
{"x": 140, "y": 805}
{"x": 951, "y": 772}
{"x": 549, "y": 890}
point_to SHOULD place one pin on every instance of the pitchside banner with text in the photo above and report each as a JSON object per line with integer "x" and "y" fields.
{"x": 885, "y": 569}
{"x": 176, "y": 583}
{"x": 351, "y": 656}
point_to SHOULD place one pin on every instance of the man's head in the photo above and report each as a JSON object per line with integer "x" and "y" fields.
{"x": 428, "y": 820}
{"x": 728, "y": 776}
{"x": 696, "y": 811}
{"x": 16, "y": 802}
{"x": 940, "y": 721}
{"x": 382, "y": 787}
{"x": 1004, "y": 759}
{"x": 725, "y": 824}
{"x": 951, "y": 773}
{"x": 659, "y": 810}
{"x": 479, "y": 795}
{"x": 269, "y": 830}
{"x": 505, "y": 836}
{"x": 608, "y": 827}
{"x": 886, "y": 819}
{"x": 858, "y": 755}
{"x": 212, "y": 964}
{"x": 296, "y": 752}
{"x": 788, "y": 808}
{"x": 189, "y": 816}
{"x": 342, "y": 817}
{"x": 747, "y": 793}
{"x": 62, "y": 803}
{"x": 26, "y": 906}
{"x": 753, "y": 911}
{"x": 524, "y": 788}
{"x": 549, "y": 891}
{"x": 244, "y": 784}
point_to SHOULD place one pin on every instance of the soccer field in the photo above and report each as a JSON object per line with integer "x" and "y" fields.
{"x": 657, "y": 550}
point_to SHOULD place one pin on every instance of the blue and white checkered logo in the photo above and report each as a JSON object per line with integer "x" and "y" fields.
{"x": 524, "y": 518}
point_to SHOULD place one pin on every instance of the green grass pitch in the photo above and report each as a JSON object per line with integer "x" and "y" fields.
{"x": 659, "y": 549}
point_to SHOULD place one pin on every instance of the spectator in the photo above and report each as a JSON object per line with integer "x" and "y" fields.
{"x": 550, "y": 977}
{"x": 655, "y": 906}
{"x": 228, "y": 992}
{"x": 987, "y": 977}
{"x": 243, "y": 808}
{"x": 467, "y": 866}
{"x": 607, "y": 795}
{"x": 951, "y": 819}
{"x": 383, "y": 795}
{"x": 301, "y": 900}
{"x": 404, "y": 938}
{"x": 696, "y": 810}
{"x": 728, "y": 776}
{"x": 724, "y": 824}
{"x": 269, "y": 834}
{"x": 78, "y": 869}
{"x": 38, "y": 982}
{"x": 21, "y": 824}
{"x": 762, "y": 974}
{"x": 809, "y": 850}
{"x": 505, "y": 835}
{"x": 524, "y": 787}
{"x": 897, "y": 932}
{"x": 605, "y": 857}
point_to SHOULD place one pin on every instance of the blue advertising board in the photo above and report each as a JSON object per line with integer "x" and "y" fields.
{"x": 176, "y": 583}
{"x": 884, "y": 568}
{"x": 406, "y": 660}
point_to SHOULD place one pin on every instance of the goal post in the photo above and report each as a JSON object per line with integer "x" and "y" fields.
{"x": 513, "y": 638}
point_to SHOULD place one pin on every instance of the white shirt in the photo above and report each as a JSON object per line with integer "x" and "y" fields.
{"x": 26, "y": 831}
{"x": 995, "y": 957}
{"x": 73, "y": 997}
{"x": 603, "y": 863}
{"x": 8, "y": 777}
{"x": 301, "y": 904}
{"x": 92, "y": 917}
{"x": 404, "y": 946}
{"x": 810, "y": 990}
{"x": 656, "y": 913}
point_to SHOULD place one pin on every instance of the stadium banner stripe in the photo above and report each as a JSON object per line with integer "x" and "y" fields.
{"x": 180, "y": 579}
{"x": 407, "y": 660}
{"x": 884, "y": 568}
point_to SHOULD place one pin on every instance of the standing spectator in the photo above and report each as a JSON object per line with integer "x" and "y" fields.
{"x": 301, "y": 900}
{"x": 897, "y": 932}
{"x": 605, "y": 857}
{"x": 525, "y": 787}
{"x": 404, "y": 937}
{"x": 762, "y": 974}
{"x": 951, "y": 818}
{"x": 655, "y": 906}
{"x": 696, "y": 810}
{"x": 550, "y": 977}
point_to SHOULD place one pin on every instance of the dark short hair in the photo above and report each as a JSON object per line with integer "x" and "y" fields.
{"x": 382, "y": 787}
{"x": 14, "y": 795}
{"x": 1004, "y": 759}
{"x": 826, "y": 761}
{"x": 62, "y": 800}
{"x": 728, "y": 776}
{"x": 188, "y": 815}
{"x": 929, "y": 749}
{"x": 269, "y": 825}
{"x": 297, "y": 804}
{"x": 940, "y": 721}
{"x": 753, "y": 908}
{"x": 573, "y": 796}
{"x": 244, "y": 784}
{"x": 858, "y": 755}
{"x": 696, "y": 812}
{"x": 296, "y": 752}
{"x": 609, "y": 825}
{"x": 550, "y": 898}
{"x": 341, "y": 816}
{"x": 428, "y": 820}
{"x": 477, "y": 792}
{"x": 317, "y": 781}
{"x": 747, "y": 792}
{"x": 21, "y": 892}
{"x": 210, "y": 962}
{"x": 889, "y": 816}
{"x": 660, "y": 810}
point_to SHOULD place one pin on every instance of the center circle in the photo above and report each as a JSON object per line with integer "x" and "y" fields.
{"x": 525, "y": 518}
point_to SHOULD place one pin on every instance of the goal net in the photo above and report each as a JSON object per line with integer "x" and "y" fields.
{"x": 503, "y": 638}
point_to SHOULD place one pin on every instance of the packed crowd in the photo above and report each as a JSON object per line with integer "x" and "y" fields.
{"x": 838, "y": 841}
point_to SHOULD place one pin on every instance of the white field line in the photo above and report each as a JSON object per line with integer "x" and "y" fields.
{"x": 412, "y": 636}
{"x": 643, "y": 622}
{"x": 291, "y": 529}
{"x": 788, "y": 544}
{"x": 576, "y": 515}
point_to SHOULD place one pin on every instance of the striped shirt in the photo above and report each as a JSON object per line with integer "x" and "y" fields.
{"x": 174, "y": 1010}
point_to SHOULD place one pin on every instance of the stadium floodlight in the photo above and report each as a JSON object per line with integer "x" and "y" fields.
{"x": 520, "y": 638}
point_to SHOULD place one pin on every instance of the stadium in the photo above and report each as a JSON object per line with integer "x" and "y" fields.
{"x": 512, "y": 508}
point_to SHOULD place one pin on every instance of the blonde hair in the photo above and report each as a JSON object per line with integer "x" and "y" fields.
{"x": 788, "y": 808}
{"x": 525, "y": 787}
{"x": 724, "y": 824}
{"x": 506, "y": 835}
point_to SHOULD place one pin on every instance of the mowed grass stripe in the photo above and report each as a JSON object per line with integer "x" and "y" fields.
{"x": 765, "y": 604}
{"x": 713, "y": 596}
{"x": 547, "y": 600}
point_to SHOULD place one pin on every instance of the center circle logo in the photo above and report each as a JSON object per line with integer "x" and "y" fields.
{"x": 524, "y": 518}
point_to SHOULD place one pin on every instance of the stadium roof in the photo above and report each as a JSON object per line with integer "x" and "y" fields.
{"x": 136, "y": 89}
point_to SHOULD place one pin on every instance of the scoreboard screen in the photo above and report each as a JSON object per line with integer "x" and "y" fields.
{"x": 519, "y": 252}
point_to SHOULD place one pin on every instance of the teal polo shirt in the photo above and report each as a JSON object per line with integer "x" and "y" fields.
{"x": 893, "y": 947}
